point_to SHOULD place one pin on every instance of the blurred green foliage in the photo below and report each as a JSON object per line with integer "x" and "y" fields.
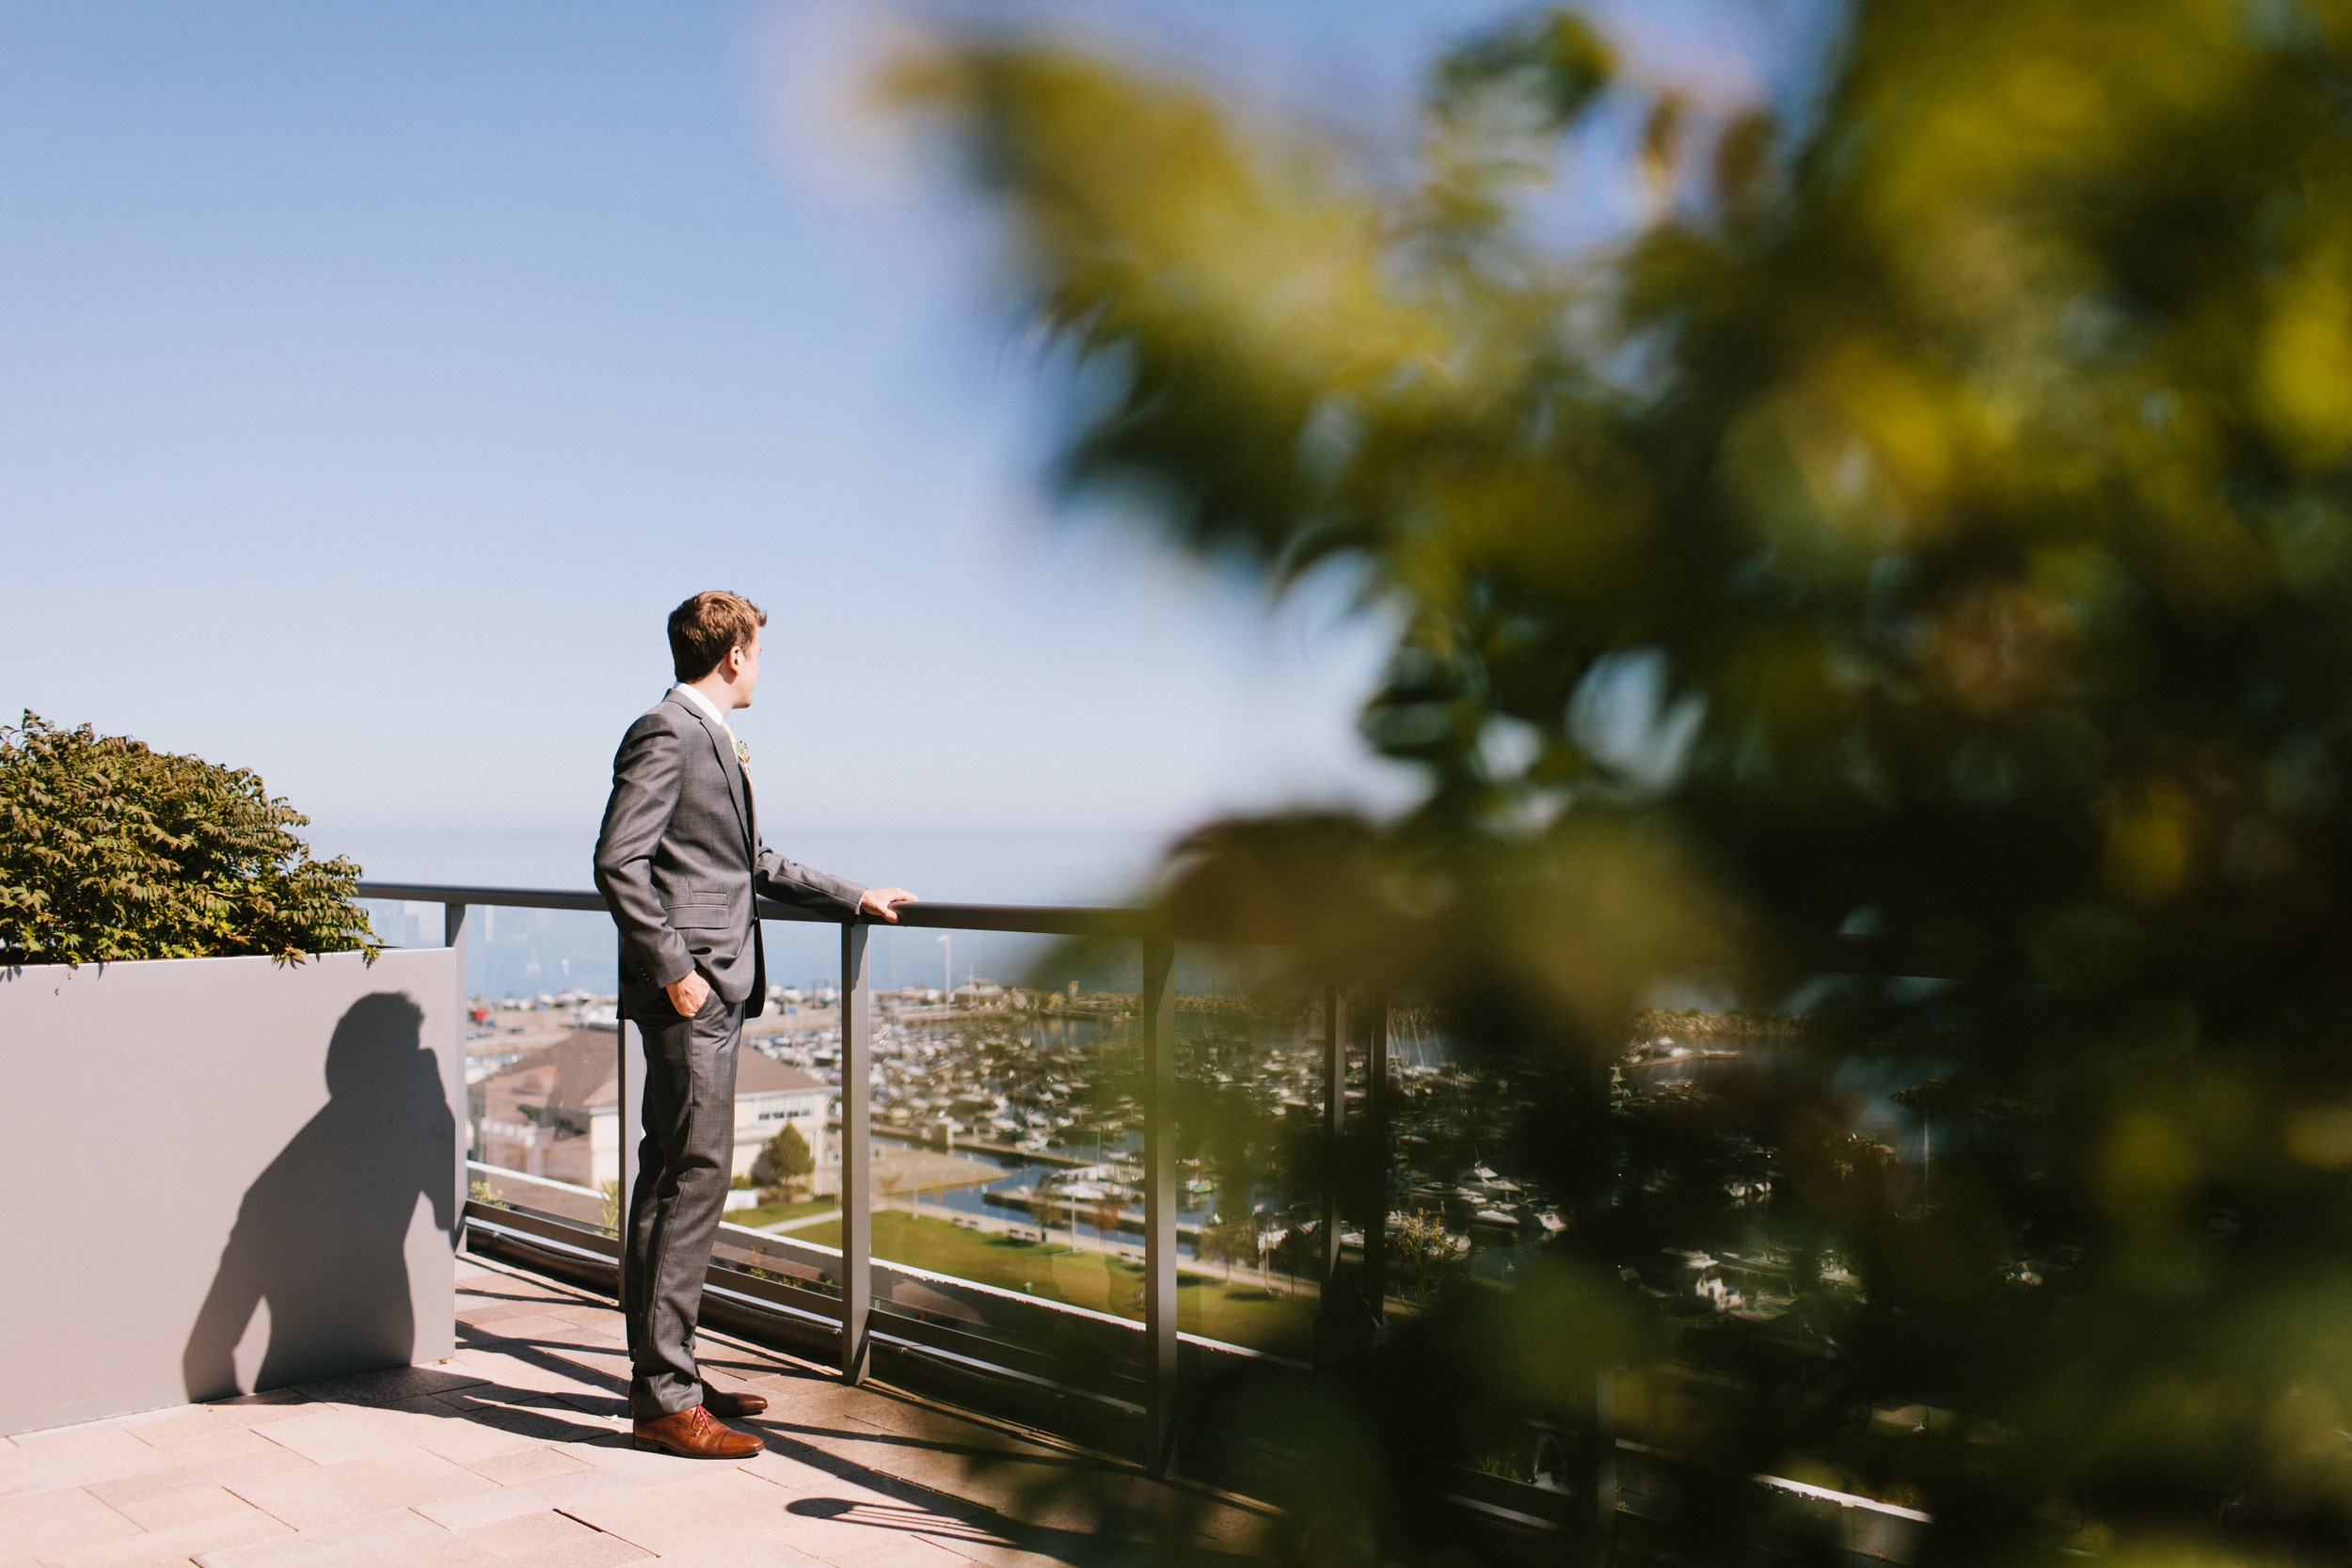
{"x": 110, "y": 851}
{"x": 1925, "y": 545}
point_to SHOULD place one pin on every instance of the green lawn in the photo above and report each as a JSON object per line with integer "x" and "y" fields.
{"x": 769, "y": 1213}
{"x": 1239, "y": 1314}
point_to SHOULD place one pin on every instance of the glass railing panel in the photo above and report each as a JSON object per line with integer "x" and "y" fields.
{"x": 1247, "y": 1078}
{"x": 976, "y": 1087}
{"x": 501, "y": 1188}
{"x": 787, "y": 1087}
{"x": 1008, "y": 1137}
{"x": 948, "y": 1033}
{"x": 399, "y": 923}
{"x": 540, "y": 1035}
{"x": 529, "y": 958}
{"x": 1461, "y": 1197}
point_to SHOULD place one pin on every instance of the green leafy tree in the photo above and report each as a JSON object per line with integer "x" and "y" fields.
{"x": 1924, "y": 544}
{"x": 1299, "y": 1253}
{"x": 784, "y": 1163}
{"x": 1230, "y": 1241}
{"x": 1104, "y": 1216}
{"x": 110, "y": 851}
{"x": 1422, "y": 1253}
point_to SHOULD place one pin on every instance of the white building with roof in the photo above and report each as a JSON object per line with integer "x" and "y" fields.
{"x": 557, "y": 1112}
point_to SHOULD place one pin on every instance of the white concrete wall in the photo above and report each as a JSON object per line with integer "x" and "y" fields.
{"x": 193, "y": 1208}
{"x": 604, "y": 1146}
{"x": 751, "y": 1134}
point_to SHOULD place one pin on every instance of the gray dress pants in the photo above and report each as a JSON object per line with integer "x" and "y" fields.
{"x": 683, "y": 1167}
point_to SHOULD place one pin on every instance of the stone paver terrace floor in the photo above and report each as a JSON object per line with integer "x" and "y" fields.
{"x": 516, "y": 1451}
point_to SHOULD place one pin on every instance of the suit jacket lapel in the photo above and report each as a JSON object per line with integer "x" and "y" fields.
{"x": 728, "y": 765}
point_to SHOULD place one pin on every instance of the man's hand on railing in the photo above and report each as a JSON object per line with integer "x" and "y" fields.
{"x": 881, "y": 902}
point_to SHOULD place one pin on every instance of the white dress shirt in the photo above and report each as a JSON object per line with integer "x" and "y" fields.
{"x": 705, "y": 704}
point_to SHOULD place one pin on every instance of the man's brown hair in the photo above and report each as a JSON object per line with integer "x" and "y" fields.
{"x": 705, "y": 626}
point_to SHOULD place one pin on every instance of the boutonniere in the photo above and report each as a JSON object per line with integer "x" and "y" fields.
{"x": 742, "y": 756}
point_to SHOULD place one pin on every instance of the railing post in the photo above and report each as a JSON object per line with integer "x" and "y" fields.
{"x": 454, "y": 935}
{"x": 1334, "y": 1125}
{"x": 857, "y": 1175}
{"x": 630, "y": 1085}
{"x": 1159, "y": 1203}
{"x": 1375, "y": 1193}
{"x": 1604, "y": 1463}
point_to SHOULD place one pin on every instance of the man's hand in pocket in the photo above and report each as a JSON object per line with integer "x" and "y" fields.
{"x": 689, "y": 995}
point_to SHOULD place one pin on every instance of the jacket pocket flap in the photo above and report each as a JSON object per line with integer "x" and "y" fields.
{"x": 699, "y": 911}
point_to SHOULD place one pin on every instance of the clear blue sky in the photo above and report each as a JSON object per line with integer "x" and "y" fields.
{"x": 374, "y": 377}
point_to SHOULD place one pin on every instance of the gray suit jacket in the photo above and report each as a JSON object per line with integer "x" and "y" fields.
{"x": 679, "y": 860}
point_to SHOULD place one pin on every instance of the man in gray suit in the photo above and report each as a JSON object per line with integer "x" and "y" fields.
{"x": 679, "y": 862}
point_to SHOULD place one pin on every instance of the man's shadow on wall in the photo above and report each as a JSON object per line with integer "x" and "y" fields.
{"x": 321, "y": 1236}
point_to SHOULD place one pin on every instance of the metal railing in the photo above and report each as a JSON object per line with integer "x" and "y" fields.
{"x": 1603, "y": 1495}
{"x": 1158, "y": 1039}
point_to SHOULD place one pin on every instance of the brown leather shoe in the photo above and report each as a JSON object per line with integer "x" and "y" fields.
{"x": 719, "y": 1403}
{"x": 715, "y": 1400}
{"x": 692, "y": 1434}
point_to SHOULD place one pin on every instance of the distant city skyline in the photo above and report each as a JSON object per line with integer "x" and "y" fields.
{"x": 377, "y": 377}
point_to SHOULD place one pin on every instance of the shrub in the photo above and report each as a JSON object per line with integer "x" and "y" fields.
{"x": 110, "y": 851}
{"x": 1421, "y": 1253}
